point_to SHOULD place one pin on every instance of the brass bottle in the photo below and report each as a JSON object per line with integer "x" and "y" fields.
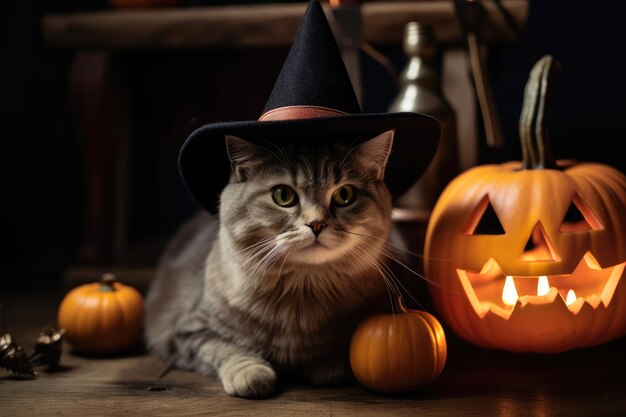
{"x": 420, "y": 92}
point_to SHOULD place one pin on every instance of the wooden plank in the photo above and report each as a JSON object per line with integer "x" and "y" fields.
{"x": 258, "y": 25}
{"x": 475, "y": 382}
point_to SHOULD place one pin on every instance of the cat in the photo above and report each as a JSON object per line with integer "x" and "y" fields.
{"x": 280, "y": 278}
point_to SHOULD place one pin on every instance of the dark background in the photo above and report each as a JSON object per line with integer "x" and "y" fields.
{"x": 42, "y": 168}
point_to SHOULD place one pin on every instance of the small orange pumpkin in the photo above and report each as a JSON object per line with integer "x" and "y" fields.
{"x": 393, "y": 353}
{"x": 102, "y": 317}
{"x": 530, "y": 256}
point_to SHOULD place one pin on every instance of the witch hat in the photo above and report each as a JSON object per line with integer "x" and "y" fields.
{"x": 312, "y": 101}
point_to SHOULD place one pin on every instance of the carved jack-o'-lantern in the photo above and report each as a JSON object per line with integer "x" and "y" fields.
{"x": 530, "y": 256}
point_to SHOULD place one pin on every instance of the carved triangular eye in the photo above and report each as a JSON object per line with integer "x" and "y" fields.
{"x": 579, "y": 217}
{"x": 484, "y": 220}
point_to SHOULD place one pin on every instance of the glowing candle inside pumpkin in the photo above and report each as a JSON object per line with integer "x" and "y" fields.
{"x": 571, "y": 297}
{"x": 509, "y": 293}
{"x": 543, "y": 286}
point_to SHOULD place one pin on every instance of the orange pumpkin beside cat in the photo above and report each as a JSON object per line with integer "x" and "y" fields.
{"x": 102, "y": 317}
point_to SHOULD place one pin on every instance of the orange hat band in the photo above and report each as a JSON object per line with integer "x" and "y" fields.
{"x": 299, "y": 112}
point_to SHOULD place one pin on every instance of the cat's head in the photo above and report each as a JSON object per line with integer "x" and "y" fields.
{"x": 308, "y": 204}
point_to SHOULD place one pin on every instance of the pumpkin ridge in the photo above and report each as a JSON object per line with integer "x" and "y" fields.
{"x": 441, "y": 345}
{"x": 100, "y": 319}
{"x": 121, "y": 311}
{"x": 82, "y": 314}
{"x": 610, "y": 198}
{"x": 433, "y": 344}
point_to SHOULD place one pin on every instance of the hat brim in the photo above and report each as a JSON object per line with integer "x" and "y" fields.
{"x": 205, "y": 167}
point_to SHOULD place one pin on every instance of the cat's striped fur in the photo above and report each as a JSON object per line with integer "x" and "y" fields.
{"x": 254, "y": 291}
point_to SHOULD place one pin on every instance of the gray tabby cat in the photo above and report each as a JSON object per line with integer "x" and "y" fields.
{"x": 281, "y": 278}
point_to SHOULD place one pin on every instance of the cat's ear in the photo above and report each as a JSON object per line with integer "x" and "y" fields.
{"x": 243, "y": 155}
{"x": 375, "y": 152}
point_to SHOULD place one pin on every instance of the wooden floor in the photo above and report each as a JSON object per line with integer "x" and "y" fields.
{"x": 475, "y": 382}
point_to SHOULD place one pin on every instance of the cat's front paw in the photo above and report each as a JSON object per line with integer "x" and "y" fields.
{"x": 332, "y": 370}
{"x": 248, "y": 378}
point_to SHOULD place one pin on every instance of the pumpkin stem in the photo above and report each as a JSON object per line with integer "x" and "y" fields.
{"x": 534, "y": 138}
{"x": 400, "y": 304}
{"x": 107, "y": 282}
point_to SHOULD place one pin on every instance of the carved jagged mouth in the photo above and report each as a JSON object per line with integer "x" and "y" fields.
{"x": 491, "y": 290}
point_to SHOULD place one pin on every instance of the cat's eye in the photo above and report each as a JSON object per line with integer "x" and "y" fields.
{"x": 344, "y": 196}
{"x": 284, "y": 196}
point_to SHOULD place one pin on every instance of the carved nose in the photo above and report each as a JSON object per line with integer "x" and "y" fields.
{"x": 539, "y": 247}
{"x": 317, "y": 227}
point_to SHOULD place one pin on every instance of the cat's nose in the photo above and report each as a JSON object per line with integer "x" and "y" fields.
{"x": 317, "y": 227}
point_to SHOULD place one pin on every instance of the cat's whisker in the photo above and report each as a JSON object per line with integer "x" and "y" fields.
{"x": 268, "y": 261}
{"x": 243, "y": 253}
{"x": 387, "y": 285}
{"x": 390, "y": 286}
{"x": 272, "y": 257}
{"x": 352, "y": 262}
{"x": 393, "y": 279}
{"x": 257, "y": 255}
{"x": 256, "y": 269}
{"x": 430, "y": 281}
{"x": 399, "y": 248}
{"x": 280, "y": 271}
{"x": 406, "y": 290}
{"x": 280, "y": 159}
{"x": 247, "y": 250}
{"x": 346, "y": 157}
{"x": 260, "y": 263}
{"x": 247, "y": 253}
{"x": 398, "y": 283}
{"x": 393, "y": 291}
{"x": 257, "y": 244}
{"x": 385, "y": 269}
{"x": 262, "y": 249}
{"x": 273, "y": 254}
{"x": 392, "y": 257}
{"x": 286, "y": 159}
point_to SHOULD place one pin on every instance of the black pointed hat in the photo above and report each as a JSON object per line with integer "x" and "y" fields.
{"x": 312, "y": 101}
